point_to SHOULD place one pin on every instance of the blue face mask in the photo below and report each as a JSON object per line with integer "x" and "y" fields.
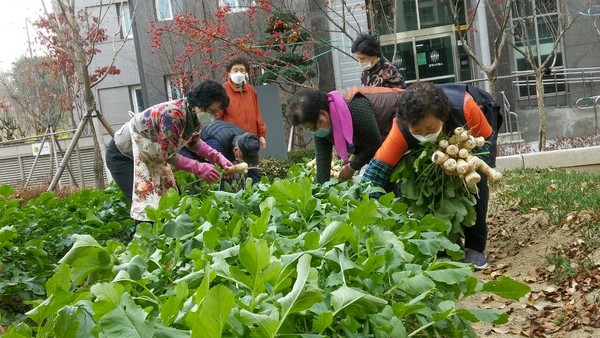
{"x": 322, "y": 132}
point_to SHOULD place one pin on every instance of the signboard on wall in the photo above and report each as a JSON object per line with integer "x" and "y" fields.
{"x": 37, "y": 148}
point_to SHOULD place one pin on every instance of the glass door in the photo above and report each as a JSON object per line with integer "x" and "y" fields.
{"x": 424, "y": 55}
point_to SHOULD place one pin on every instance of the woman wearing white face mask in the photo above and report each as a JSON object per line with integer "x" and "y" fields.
{"x": 377, "y": 70}
{"x": 243, "y": 110}
{"x": 424, "y": 111}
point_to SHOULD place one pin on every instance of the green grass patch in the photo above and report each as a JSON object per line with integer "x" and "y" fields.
{"x": 559, "y": 192}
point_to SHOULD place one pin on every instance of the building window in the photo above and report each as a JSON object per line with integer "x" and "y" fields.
{"x": 535, "y": 32}
{"x": 174, "y": 91}
{"x": 412, "y": 15}
{"x": 124, "y": 20}
{"x": 137, "y": 101}
{"x": 166, "y": 9}
{"x": 237, "y": 5}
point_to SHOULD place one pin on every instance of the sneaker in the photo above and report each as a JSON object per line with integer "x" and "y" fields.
{"x": 477, "y": 258}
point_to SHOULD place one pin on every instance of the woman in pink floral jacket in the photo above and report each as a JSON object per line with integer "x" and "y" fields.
{"x": 145, "y": 149}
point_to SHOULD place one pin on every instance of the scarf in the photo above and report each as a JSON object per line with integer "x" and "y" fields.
{"x": 341, "y": 124}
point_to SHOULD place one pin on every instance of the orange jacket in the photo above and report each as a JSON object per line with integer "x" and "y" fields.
{"x": 243, "y": 109}
{"x": 395, "y": 145}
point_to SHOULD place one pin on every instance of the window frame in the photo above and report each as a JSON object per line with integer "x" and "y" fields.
{"x": 125, "y": 22}
{"x": 136, "y": 99}
{"x": 171, "y": 87}
{"x": 235, "y": 6}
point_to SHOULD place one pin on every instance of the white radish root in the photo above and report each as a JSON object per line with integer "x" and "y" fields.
{"x": 237, "y": 168}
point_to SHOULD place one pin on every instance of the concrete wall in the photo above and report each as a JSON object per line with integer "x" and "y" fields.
{"x": 560, "y": 122}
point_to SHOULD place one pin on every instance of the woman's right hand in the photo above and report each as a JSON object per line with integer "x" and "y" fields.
{"x": 206, "y": 171}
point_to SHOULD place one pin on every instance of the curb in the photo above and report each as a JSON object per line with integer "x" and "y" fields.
{"x": 584, "y": 159}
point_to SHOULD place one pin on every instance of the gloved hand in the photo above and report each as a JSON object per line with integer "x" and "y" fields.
{"x": 204, "y": 170}
{"x": 212, "y": 155}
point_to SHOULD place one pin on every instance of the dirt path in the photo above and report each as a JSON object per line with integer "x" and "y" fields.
{"x": 517, "y": 247}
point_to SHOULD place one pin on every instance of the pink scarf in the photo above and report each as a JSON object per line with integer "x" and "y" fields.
{"x": 341, "y": 124}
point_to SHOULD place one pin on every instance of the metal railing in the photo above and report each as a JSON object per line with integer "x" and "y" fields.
{"x": 509, "y": 116}
{"x": 590, "y": 102}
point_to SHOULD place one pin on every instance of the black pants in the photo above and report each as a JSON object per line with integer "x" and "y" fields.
{"x": 476, "y": 235}
{"x": 121, "y": 168}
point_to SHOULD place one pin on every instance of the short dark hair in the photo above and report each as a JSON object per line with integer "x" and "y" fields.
{"x": 422, "y": 99}
{"x": 305, "y": 106}
{"x": 367, "y": 44}
{"x": 207, "y": 92}
{"x": 238, "y": 60}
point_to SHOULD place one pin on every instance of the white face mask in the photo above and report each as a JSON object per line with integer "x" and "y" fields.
{"x": 237, "y": 78}
{"x": 365, "y": 65}
{"x": 427, "y": 138}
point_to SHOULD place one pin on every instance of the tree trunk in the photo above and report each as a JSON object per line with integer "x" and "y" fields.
{"x": 539, "y": 89}
{"x": 83, "y": 76}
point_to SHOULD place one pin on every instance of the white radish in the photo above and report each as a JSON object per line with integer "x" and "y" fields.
{"x": 472, "y": 178}
{"x": 450, "y": 165}
{"x": 443, "y": 144}
{"x": 469, "y": 143}
{"x": 238, "y": 168}
{"x": 439, "y": 157}
{"x": 452, "y": 150}
{"x": 463, "y": 153}
{"x": 462, "y": 167}
{"x": 479, "y": 141}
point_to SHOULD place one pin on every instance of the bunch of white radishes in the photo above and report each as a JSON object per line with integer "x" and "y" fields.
{"x": 456, "y": 157}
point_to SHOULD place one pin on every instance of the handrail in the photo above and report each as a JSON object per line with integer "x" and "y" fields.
{"x": 587, "y": 99}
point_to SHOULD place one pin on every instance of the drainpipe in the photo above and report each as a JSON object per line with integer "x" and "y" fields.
{"x": 484, "y": 41}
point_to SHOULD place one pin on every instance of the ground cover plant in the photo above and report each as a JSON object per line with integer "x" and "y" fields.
{"x": 35, "y": 232}
{"x": 284, "y": 258}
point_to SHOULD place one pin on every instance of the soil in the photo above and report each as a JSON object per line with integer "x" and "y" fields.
{"x": 557, "y": 306}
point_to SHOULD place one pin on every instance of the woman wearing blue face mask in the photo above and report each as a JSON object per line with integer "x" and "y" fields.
{"x": 353, "y": 122}
{"x": 424, "y": 111}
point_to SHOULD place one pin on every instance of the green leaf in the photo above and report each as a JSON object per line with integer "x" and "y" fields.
{"x": 66, "y": 324}
{"x": 355, "y": 302}
{"x": 50, "y": 306}
{"x": 61, "y": 280}
{"x": 416, "y": 285}
{"x": 169, "y": 332}
{"x": 364, "y": 215}
{"x": 213, "y": 313}
{"x": 475, "y": 315}
{"x": 82, "y": 244}
{"x": 289, "y": 303}
{"x": 6, "y": 190}
{"x": 126, "y": 321}
{"x": 172, "y": 306}
{"x": 449, "y": 272}
{"x": 322, "y": 321}
{"x": 255, "y": 255}
{"x": 507, "y": 287}
{"x": 135, "y": 267}
{"x": 108, "y": 297}
{"x": 266, "y": 325}
{"x": 260, "y": 226}
{"x": 179, "y": 227}
{"x": 336, "y": 232}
